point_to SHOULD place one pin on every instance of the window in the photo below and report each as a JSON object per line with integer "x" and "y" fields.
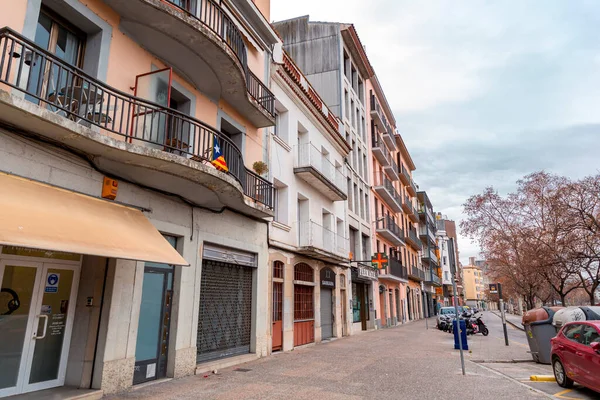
{"x": 278, "y": 269}
{"x": 368, "y": 216}
{"x": 352, "y": 112}
{"x": 363, "y": 129}
{"x": 365, "y": 247}
{"x": 445, "y": 260}
{"x": 364, "y": 172}
{"x": 303, "y": 302}
{"x": 446, "y": 275}
{"x": 590, "y": 335}
{"x": 356, "y": 203}
{"x": 303, "y": 272}
{"x": 350, "y": 205}
{"x": 362, "y": 205}
{"x": 361, "y": 90}
{"x": 346, "y": 103}
{"x": 280, "y": 193}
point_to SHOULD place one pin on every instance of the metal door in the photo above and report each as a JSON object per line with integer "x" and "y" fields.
{"x": 326, "y": 314}
{"x": 225, "y": 314}
{"x": 277, "y": 333}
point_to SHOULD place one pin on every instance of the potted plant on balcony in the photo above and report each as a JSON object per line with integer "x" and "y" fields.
{"x": 260, "y": 167}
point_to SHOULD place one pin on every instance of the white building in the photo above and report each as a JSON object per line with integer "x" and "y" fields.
{"x": 442, "y": 241}
{"x": 308, "y": 245}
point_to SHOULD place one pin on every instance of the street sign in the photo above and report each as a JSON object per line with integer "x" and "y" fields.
{"x": 493, "y": 288}
{"x": 379, "y": 260}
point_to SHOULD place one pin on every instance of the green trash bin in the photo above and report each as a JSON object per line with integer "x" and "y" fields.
{"x": 539, "y": 330}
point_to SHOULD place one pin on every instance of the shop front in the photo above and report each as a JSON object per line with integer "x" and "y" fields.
{"x": 364, "y": 279}
{"x": 60, "y": 260}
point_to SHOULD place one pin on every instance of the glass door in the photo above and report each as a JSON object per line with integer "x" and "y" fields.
{"x": 37, "y": 308}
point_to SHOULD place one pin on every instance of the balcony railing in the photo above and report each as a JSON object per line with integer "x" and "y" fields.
{"x": 416, "y": 273}
{"x": 66, "y": 90}
{"x": 392, "y": 169}
{"x": 416, "y": 242}
{"x": 376, "y": 111}
{"x": 384, "y": 187}
{"x": 389, "y": 229}
{"x": 397, "y": 269}
{"x": 212, "y": 15}
{"x": 431, "y": 277}
{"x": 310, "y": 156}
{"x": 380, "y": 149}
{"x": 404, "y": 175}
{"x": 430, "y": 254}
{"x": 314, "y": 235}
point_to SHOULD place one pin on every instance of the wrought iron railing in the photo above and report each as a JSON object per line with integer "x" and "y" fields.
{"x": 212, "y": 15}
{"x": 68, "y": 91}
{"x": 380, "y": 179}
{"x": 388, "y": 223}
{"x": 415, "y": 239}
{"x": 377, "y": 142}
{"x": 416, "y": 273}
{"x": 397, "y": 269}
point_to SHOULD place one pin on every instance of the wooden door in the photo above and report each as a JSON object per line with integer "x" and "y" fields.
{"x": 277, "y": 338}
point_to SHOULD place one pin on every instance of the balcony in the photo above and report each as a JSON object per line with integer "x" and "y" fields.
{"x": 410, "y": 209}
{"x": 389, "y": 135}
{"x": 392, "y": 170}
{"x": 385, "y": 189}
{"x": 412, "y": 188}
{"x": 395, "y": 271}
{"x": 416, "y": 274}
{"x": 322, "y": 243}
{"x": 432, "y": 279}
{"x": 377, "y": 113}
{"x": 430, "y": 257}
{"x": 405, "y": 176}
{"x": 413, "y": 241}
{"x": 387, "y": 228}
{"x": 425, "y": 213}
{"x": 426, "y": 233}
{"x": 203, "y": 44}
{"x": 318, "y": 171}
{"x": 126, "y": 136}
{"x": 380, "y": 150}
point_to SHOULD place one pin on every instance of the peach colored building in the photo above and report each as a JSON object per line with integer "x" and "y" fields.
{"x": 134, "y": 155}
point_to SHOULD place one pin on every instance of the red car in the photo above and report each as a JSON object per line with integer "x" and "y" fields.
{"x": 576, "y": 354}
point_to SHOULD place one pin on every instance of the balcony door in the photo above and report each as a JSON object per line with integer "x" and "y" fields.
{"x": 63, "y": 40}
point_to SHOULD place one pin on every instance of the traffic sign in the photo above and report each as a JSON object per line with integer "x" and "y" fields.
{"x": 493, "y": 288}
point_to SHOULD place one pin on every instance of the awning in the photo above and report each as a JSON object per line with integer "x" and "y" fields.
{"x": 40, "y": 216}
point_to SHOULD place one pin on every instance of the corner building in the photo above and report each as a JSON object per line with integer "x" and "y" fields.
{"x": 169, "y": 277}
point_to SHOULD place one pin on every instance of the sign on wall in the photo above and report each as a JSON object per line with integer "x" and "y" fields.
{"x": 327, "y": 278}
{"x": 379, "y": 260}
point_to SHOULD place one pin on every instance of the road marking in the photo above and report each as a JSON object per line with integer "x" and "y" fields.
{"x": 560, "y": 395}
{"x": 514, "y": 380}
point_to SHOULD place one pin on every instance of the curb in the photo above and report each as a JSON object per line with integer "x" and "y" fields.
{"x": 542, "y": 378}
{"x": 510, "y": 323}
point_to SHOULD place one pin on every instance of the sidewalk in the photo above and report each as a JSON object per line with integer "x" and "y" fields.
{"x": 514, "y": 320}
{"x": 405, "y": 362}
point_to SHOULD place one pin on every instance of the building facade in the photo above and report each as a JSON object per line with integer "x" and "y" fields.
{"x": 135, "y": 233}
{"x": 333, "y": 60}
{"x": 429, "y": 255}
{"x": 473, "y": 280}
{"x": 308, "y": 244}
{"x": 444, "y": 226}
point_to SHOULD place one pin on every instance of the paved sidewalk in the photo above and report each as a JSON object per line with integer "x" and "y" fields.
{"x": 514, "y": 320}
{"x": 406, "y": 362}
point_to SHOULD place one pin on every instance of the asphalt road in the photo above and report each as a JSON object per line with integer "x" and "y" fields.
{"x": 494, "y": 324}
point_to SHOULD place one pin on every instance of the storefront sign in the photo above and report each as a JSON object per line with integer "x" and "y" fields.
{"x": 327, "y": 278}
{"x": 366, "y": 272}
{"x": 52, "y": 283}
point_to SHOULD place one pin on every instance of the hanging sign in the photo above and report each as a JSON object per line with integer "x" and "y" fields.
{"x": 379, "y": 260}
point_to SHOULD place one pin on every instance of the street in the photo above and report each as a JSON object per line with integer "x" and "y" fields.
{"x": 406, "y": 362}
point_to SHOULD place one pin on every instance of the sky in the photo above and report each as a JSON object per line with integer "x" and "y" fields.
{"x": 483, "y": 92}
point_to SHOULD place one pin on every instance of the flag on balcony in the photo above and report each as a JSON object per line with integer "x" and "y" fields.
{"x": 217, "y": 157}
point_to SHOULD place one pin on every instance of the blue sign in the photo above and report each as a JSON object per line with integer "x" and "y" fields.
{"x": 52, "y": 283}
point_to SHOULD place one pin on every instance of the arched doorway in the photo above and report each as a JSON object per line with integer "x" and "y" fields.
{"x": 277, "y": 331}
{"x": 304, "y": 310}
{"x": 398, "y": 306}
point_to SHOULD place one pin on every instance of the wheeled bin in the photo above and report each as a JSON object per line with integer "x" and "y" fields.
{"x": 539, "y": 330}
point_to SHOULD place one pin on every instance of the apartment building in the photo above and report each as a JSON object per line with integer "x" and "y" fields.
{"x": 308, "y": 243}
{"x": 473, "y": 280}
{"x": 430, "y": 264}
{"x": 450, "y": 228}
{"x": 445, "y": 227}
{"x": 135, "y": 209}
{"x": 387, "y": 207}
{"x": 333, "y": 60}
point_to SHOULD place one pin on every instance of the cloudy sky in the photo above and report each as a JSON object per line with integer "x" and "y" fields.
{"x": 483, "y": 92}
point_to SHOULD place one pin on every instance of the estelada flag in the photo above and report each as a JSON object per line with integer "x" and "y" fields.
{"x": 217, "y": 157}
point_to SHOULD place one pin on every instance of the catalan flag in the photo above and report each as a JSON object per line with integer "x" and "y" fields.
{"x": 217, "y": 157}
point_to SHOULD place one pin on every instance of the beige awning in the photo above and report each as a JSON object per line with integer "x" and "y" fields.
{"x": 40, "y": 216}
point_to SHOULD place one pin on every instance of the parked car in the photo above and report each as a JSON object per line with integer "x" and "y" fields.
{"x": 447, "y": 311}
{"x": 576, "y": 354}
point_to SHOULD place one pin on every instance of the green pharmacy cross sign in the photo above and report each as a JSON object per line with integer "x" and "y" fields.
{"x": 379, "y": 260}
